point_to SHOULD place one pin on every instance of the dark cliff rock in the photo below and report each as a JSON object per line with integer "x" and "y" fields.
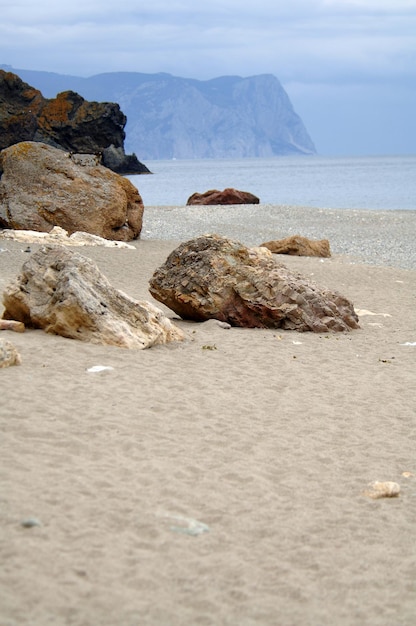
{"x": 67, "y": 121}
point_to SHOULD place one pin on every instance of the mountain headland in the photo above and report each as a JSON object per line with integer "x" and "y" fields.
{"x": 171, "y": 117}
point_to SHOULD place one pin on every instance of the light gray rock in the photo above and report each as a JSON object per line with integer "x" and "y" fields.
{"x": 8, "y": 354}
{"x": 64, "y": 293}
{"x": 60, "y": 236}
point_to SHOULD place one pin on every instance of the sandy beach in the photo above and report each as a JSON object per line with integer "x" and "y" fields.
{"x": 219, "y": 481}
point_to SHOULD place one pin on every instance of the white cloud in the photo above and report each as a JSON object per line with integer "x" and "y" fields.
{"x": 341, "y": 61}
{"x": 300, "y": 40}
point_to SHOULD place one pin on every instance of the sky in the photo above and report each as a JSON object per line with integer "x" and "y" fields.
{"x": 348, "y": 66}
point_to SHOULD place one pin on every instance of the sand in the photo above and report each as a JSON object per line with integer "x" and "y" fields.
{"x": 217, "y": 481}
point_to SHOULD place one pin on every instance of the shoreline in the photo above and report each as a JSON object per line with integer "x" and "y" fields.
{"x": 370, "y": 236}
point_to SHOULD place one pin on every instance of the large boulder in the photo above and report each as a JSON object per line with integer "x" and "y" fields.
{"x": 296, "y": 245}
{"x": 67, "y": 121}
{"x": 65, "y": 294}
{"x": 42, "y": 187}
{"x": 214, "y": 277}
{"x": 227, "y": 196}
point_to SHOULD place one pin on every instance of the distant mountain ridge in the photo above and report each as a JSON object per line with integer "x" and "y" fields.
{"x": 172, "y": 117}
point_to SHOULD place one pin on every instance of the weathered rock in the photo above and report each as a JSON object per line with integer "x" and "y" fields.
{"x": 228, "y": 196}
{"x": 214, "y": 277}
{"x": 16, "y": 327}
{"x": 60, "y": 236}
{"x": 42, "y": 187}
{"x": 299, "y": 246}
{"x": 67, "y": 121}
{"x": 64, "y": 293}
{"x": 8, "y": 354}
{"x": 388, "y": 489}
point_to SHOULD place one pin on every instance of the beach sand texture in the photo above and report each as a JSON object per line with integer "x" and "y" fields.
{"x": 218, "y": 481}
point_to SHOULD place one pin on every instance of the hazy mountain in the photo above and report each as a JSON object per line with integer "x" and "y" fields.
{"x": 171, "y": 117}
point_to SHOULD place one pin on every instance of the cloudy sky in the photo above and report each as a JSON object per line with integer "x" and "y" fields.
{"x": 349, "y": 66}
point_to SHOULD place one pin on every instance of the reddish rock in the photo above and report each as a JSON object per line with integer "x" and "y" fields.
{"x": 212, "y": 277}
{"x": 299, "y": 246}
{"x": 228, "y": 196}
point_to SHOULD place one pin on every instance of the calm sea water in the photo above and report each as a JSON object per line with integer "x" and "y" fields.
{"x": 328, "y": 182}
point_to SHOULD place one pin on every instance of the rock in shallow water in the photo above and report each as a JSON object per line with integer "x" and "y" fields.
{"x": 215, "y": 277}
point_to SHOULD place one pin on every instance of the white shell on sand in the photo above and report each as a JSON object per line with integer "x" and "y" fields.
{"x": 361, "y": 312}
{"x": 187, "y": 525}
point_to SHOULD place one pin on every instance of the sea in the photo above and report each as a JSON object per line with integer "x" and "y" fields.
{"x": 374, "y": 182}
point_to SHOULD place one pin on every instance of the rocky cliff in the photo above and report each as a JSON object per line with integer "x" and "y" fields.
{"x": 67, "y": 121}
{"x": 228, "y": 117}
{"x": 172, "y": 117}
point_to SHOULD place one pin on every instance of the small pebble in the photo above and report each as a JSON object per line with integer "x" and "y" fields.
{"x": 99, "y": 368}
{"x": 30, "y": 522}
{"x": 386, "y": 489}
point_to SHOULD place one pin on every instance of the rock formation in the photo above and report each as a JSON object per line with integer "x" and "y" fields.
{"x": 67, "y": 121}
{"x": 214, "y": 277}
{"x": 174, "y": 117}
{"x": 228, "y": 196}
{"x": 42, "y": 187}
{"x": 64, "y": 293}
{"x": 297, "y": 245}
{"x": 8, "y": 354}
